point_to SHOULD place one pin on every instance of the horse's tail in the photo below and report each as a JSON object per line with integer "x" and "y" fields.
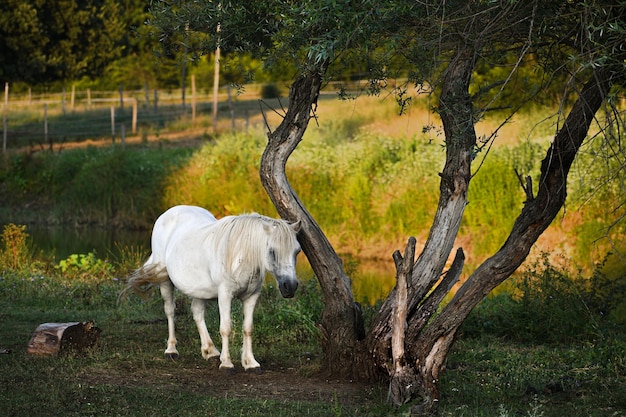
{"x": 142, "y": 279}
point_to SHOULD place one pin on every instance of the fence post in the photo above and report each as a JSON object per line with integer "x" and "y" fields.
{"x": 45, "y": 122}
{"x": 134, "y": 121}
{"x": 216, "y": 85}
{"x": 146, "y": 93}
{"x": 121, "y": 96}
{"x": 89, "y": 98}
{"x": 4, "y": 117}
{"x": 123, "y": 134}
{"x": 156, "y": 101}
{"x": 231, "y": 108}
{"x": 113, "y": 123}
{"x": 193, "y": 97}
{"x": 4, "y": 132}
{"x": 72, "y": 97}
{"x": 63, "y": 100}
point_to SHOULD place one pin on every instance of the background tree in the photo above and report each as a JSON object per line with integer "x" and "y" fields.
{"x": 439, "y": 46}
{"x": 139, "y": 62}
{"x": 44, "y": 41}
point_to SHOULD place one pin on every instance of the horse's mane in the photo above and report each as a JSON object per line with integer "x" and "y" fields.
{"x": 245, "y": 236}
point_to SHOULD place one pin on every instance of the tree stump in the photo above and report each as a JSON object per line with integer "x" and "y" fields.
{"x": 53, "y": 338}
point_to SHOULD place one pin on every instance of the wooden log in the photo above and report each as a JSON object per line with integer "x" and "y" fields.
{"x": 53, "y": 338}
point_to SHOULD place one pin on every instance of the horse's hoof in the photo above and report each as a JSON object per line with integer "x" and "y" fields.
{"x": 227, "y": 370}
{"x": 212, "y": 355}
{"x": 172, "y": 356}
{"x": 256, "y": 371}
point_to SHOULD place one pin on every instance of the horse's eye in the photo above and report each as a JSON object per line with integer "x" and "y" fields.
{"x": 272, "y": 254}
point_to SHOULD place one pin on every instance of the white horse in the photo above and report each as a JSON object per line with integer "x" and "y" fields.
{"x": 206, "y": 258}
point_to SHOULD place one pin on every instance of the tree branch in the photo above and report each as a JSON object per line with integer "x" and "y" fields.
{"x": 425, "y": 311}
{"x": 535, "y": 217}
{"x": 401, "y": 376}
{"x": 528, "y": 187}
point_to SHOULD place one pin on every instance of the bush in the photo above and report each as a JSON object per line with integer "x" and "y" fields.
{"x": 270, "y": 91}
{"x": 544, "y": 305}
{"x": 16, "y": 252}
{"x": 91, "y": 185}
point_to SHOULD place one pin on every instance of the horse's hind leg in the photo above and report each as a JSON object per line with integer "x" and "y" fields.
{"x": 208, "y": 349}
{"x": 167, "y": 292}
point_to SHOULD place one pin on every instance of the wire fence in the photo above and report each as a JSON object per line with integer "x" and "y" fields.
{"x": 44, "y": 120}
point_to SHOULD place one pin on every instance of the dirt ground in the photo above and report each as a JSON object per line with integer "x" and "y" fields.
{"x": 281, "y": 384}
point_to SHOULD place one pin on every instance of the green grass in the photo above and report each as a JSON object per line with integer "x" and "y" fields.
{"x": 92, "y": 185}
{"x": 491, "y": 377}
{"x": 546, "y": 347}
{"x": 125, "y": 374}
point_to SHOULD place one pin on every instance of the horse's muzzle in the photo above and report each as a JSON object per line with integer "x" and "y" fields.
{"x": 287, "y": 287}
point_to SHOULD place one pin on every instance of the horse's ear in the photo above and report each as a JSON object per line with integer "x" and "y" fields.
{"x": 268, "y": 227}
{"x": 296, "y": 226}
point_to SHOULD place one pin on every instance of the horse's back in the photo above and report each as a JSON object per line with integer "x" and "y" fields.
{"x": 174, "y": 224}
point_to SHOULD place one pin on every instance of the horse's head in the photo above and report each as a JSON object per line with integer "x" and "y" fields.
{"x": 282, "y": 250}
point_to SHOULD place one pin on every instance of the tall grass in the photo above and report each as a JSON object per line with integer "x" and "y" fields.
{"x": 223, "y": 177}
{"x": 364, "y": 188}
{"x": 92, "y": 185}
{"x": 368, "y": 189}
{"x": 357, "y": 188}
{"x": 496, "y": 197}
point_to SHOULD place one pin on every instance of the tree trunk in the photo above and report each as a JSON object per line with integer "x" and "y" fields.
{"x": 537, "y": 214}
{"x": 456, "y": 114}
{"x": 428, "y": 343}
{"x": 341, "y": 323}
{"x": 410, "y": 350}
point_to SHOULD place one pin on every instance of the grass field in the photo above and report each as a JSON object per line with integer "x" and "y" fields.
{"x": 515, "y": 356}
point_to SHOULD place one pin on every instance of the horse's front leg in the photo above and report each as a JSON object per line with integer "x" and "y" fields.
{"x": 167, "y": 292}
{"x": 247, "y": 358}
{"x": 224, "y": 303}
{"x": 198, "y": 308}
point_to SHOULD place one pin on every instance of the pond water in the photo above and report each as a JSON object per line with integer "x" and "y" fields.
{"x": 371, "y": 280}
{"x": 62, "y": 242}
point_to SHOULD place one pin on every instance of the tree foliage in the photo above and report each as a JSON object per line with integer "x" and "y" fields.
{"x": 46, "y": 40}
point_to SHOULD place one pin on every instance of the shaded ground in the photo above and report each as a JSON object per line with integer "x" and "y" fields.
{"x": 271, "y": 384}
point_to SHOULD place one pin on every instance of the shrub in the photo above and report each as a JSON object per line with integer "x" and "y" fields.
{"x": 85, "y": 266}
{"x": 16, "y": 253}
{"x": 270, "y": 91}
{"x": 543, "y": 305}
{"x": 288, "y": 325}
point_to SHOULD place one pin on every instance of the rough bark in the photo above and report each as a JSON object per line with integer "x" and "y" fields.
{"x": 433, "y": 343}
{"x": 537, "y": 214}
{"x": 341, "y": 323}
{"x": 457, "y": 117}
{"x": 413, "y": 364}
{"x": 429, "y": 341}
{"x": 401, "y": 387}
